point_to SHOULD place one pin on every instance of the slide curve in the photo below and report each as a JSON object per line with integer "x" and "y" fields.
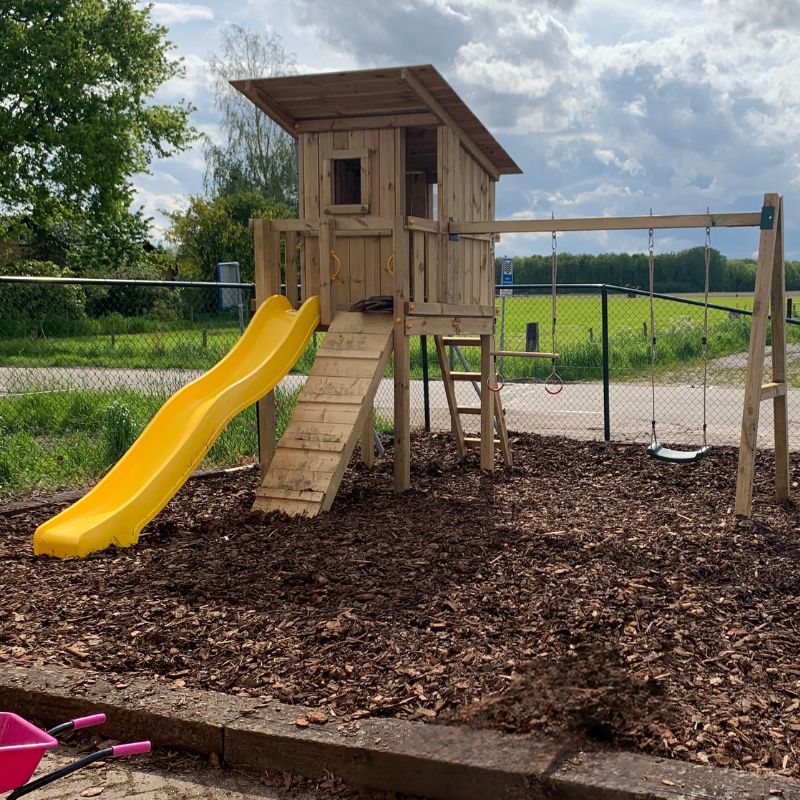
{"x": 175, "y": 441}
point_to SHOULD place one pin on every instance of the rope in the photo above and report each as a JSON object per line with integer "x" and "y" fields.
{"x": 651, "y": 269}
{"x": 707, "y": 256}
{"x": 554, "y": 383}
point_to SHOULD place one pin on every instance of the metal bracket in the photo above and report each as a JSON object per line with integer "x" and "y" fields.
{"x": 453, "y": 237}
{"x": 767, "y": 218}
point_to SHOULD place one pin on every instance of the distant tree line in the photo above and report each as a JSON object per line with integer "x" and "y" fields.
{"x": 683, "y": 271}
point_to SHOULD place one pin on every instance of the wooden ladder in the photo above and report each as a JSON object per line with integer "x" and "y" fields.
{"x": 450, "y": 377}
{"x": 334, "y": 409}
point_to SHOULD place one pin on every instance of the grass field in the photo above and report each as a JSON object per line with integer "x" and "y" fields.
{"x": 58, "y": 438}
{"x": 195, "y": 347}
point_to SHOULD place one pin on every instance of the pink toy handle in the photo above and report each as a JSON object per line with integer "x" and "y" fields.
{"x": 88, "y": 722}
{"x": 132, "y": 749}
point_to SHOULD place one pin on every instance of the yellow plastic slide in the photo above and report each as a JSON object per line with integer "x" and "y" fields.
{"x": 143, "y": 481}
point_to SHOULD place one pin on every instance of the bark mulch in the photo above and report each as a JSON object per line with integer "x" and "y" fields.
{"x": 587, "y": 592}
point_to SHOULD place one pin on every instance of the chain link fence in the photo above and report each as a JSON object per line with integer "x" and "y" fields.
{"x": 603, "y": 341}
{"x": 85, "y": 364}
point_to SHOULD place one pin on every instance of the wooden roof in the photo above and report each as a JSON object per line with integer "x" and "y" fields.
{"x": 294, "y": 99}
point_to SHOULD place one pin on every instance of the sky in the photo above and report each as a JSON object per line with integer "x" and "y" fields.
{"x": 610, "y": 107}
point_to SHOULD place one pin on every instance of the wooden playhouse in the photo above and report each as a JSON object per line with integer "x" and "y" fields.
{"x": 387, "y": 159}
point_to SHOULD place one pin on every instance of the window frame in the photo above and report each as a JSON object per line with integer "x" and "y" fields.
{"x": 329, "y": 174}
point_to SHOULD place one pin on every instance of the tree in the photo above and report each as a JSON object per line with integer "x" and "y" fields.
{"x": 217, "y": 229}
{"x": 76, "y": 80}
{"x": 256, "y": 154}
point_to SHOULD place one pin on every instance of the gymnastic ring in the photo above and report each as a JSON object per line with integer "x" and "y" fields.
{"x": 389, "y": 262}
{"x": 551, "y": 380}
{"x": 498, "y": 388}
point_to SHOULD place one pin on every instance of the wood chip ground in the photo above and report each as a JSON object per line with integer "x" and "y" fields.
{"x": 587, "y": 592}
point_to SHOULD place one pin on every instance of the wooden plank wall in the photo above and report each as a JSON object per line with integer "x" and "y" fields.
{"x": 466, "y": 193}
{"x": 364, "y": 258}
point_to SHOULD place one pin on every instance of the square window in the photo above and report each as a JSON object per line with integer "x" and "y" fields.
{"x": 346, "y": 182}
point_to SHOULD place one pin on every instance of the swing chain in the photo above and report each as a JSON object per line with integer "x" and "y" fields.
{"x": 554, "y": 383}
{"x": 651, "y": 269}
{"x": 707, "y": 265}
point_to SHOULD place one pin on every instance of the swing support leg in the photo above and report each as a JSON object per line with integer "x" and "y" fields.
{"x": 769, "y": 290}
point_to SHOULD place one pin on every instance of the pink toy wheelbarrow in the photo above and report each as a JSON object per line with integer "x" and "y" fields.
{"x": 22, "y": 746}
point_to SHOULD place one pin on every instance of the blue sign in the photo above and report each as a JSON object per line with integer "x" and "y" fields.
{"x": 507, "y": 275}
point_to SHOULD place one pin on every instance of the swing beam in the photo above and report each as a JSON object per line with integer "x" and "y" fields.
{"x": 770, "y": 292}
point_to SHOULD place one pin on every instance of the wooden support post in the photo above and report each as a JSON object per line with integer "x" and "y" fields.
{"x": 769, "y": 288}
{"x": 327, "y": 243}
{"x": 368, "y": 440}
{"x": 780, "y": 405}
{"x": 268, "y": 283}
{"x": 402, "y": 363}
{"x": 488, "y": 382}
{"x": 291, "y": 268}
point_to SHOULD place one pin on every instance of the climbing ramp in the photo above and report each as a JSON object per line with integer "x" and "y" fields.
{"x": 332, "y": 411}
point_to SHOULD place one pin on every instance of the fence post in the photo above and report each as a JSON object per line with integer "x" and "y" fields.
{"x": 604, "y": 339}
{"x": 789, "y": 308}
{"x": 531, "y": 336}
{"x": 426, "y": 398}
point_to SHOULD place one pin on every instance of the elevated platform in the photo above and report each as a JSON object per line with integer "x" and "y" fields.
{"x": 331, "y": 412}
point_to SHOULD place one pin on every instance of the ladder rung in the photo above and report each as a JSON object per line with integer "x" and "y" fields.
{"x": 469, "y": 409}
{"x": 465, "y": 376}
{"x": 772, "y": 390}
{"x": 522, "y": 354}
{"x": 462, "y": 341}
{"x": 475, "y": 441}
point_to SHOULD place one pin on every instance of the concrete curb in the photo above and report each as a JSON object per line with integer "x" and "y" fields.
{"x": 436, "y": 761}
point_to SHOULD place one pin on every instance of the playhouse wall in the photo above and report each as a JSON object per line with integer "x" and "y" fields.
{"x": 466, "y": 194}
{"x": 364, "y": 258}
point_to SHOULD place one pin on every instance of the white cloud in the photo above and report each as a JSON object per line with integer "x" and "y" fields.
{"x": 176, "y": 13}
{"x": 609, "y": 106}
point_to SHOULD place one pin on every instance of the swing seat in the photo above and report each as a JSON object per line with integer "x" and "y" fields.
{"x": 657, "y": 450}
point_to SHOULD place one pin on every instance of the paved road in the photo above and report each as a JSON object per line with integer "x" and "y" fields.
{"x": 577, "y": 411}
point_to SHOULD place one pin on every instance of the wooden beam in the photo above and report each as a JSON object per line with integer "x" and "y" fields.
{"x": 402, "y": 347}
{"x": 448, "y": 120}
{"x": 272, "y": 109}
{"x": 769, "y": 391}
{"x": 732, "y": 220}
{"x": 366, "y": 123}
{"x": 427, "y": 225}
{"x": 449, "y": 310}
{"x": 368, "y": 440}
{"x": 448, "y": 326}
{"x": 755, "y": 362}
{"x": 263, "y": 248}
{"x": 310, "y": 226}
{"x": 327, "y": 243}
{"x": 402, "y": 363}
{"x": 780, "y": 405}
{"x": 488, "y": 379}
{"x": 291, "y": 268}
{"x": 523, "y": 354}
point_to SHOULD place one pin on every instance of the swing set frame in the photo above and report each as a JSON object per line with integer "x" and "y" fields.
{"x": 770, "y": 293}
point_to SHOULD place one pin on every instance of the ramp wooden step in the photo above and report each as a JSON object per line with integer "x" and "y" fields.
{"x": 469, "y": 410}
{"x": 332, "y": 410}
{"x": 462, "y": 341}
